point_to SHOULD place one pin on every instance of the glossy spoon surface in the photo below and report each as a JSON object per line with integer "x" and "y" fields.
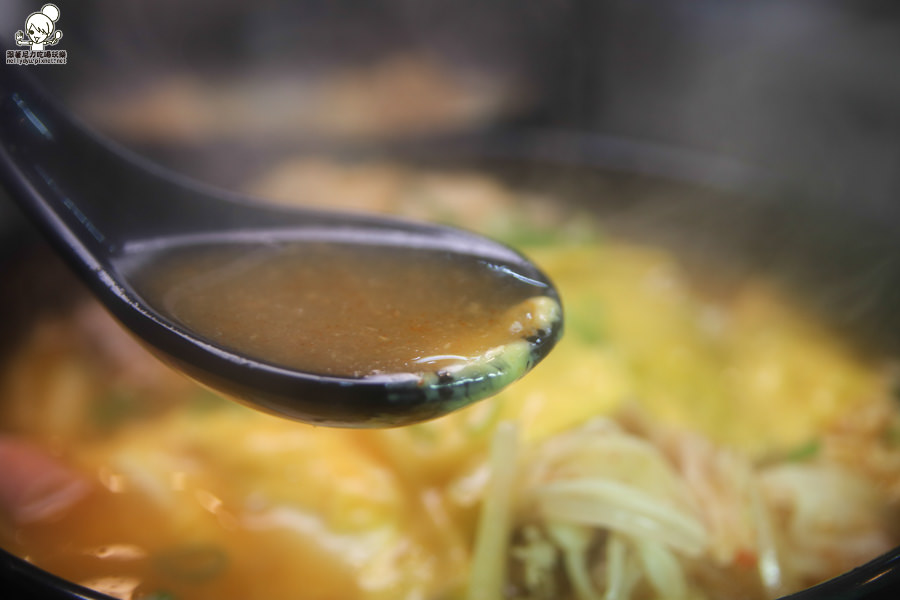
{"x": 153, "y": 247}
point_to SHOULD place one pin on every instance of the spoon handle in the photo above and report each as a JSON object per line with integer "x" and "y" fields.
{"x": 43, "y": 161}
{"x": 94, "y": 195}
{"x": 94, "y": 192}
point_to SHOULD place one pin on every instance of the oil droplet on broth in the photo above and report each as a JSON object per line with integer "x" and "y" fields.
{"x": 338, "y": 310}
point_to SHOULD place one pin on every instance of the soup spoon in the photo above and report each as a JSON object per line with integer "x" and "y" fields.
{"x": 107, "y": 212}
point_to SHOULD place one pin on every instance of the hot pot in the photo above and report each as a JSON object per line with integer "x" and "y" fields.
{"x": 710, "y": 210}
{"x": 836, "y": 252}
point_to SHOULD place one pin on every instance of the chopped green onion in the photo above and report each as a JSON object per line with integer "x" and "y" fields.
{"x": 205, "y": 401}
{"x": 114, "y": 408}
{"x": 160, "y": 595}
{"x": 194, "y": 564}
{"x": 805, "y": 451}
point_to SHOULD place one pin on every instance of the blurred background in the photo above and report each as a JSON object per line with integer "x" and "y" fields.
{"x": 247, "y": 95}
{"x": 807, "y": 89}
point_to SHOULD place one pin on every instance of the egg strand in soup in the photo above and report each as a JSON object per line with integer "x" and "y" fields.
{"x": 673, "y": 445}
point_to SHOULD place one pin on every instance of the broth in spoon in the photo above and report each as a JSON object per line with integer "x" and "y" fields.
{"x": 328, "y": 308}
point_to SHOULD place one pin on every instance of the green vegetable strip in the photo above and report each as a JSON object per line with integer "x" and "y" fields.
{"x": 662, "y": 569}
{"x": 488, "y": 573}
{"x": 622, "y": 508}
{"x": 616, "y": 584}
{"x": 574, "y": 542}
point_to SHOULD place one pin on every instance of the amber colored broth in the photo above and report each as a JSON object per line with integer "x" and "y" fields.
{"x": 334, "y": 309}
{"x": 202, "y": 565}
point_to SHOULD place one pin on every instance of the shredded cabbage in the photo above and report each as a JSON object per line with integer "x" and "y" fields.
{"x": 603, "y": 513}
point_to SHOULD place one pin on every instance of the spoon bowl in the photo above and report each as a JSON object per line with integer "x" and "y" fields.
{"x": 108, "y": 211}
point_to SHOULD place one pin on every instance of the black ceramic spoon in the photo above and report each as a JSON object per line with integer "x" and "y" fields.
{"x": 103, "y": 208}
